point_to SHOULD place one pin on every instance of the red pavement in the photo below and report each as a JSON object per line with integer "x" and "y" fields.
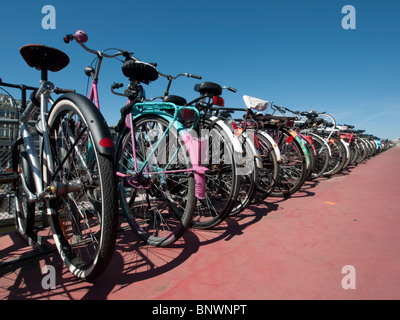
{"x": 283, "y": 249}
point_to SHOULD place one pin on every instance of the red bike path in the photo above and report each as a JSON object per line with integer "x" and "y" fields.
{"x": 286, "y": 249}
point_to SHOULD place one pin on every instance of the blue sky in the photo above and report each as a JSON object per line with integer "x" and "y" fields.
{"x": 292, "y": 52}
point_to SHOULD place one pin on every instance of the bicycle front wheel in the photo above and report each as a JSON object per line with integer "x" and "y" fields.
{"x": 83, "y": 207}
{"x": 155, "y": 182}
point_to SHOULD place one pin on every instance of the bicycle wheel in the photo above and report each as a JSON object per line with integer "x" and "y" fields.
{"x": 312, "y": 154}
{"x": 25, "y": 211}
{"x": 222, "y": 180}
{"x": 322, "y": 157}
{"x": 269, "y": 174}
{"x": 248, "y": 176}
{"x": 362, "y": 150}
{"x": 293, "y": 168}
{"x": 338, "y": 156}
{"x": 347, "y": 153}
{"x": 158, "y": 201}
{"x": 83, "y": 209}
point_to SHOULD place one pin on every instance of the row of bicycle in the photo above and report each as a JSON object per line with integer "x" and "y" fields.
{"x": 176, "y": 164}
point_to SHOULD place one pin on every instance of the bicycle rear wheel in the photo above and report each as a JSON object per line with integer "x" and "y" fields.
{"x": 322, "y": 157}
{"x": 247, "y": 175}
{"x": 293, "y": 168}
{"x": 83, "y": 209}
{"x": 338, "y": 156}
{"x": 269, "y": 174}
{"x": 159, "y": 201}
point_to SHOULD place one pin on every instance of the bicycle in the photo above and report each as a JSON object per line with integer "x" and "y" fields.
{"x": 259, "y": 146}
{"x": 72, "y": 172}
{"x": 295, "y": 165}
{"x": 220, "y": 155}
{"x": 307, "y": 123}
{"x": 158, "y": 174}
{"x": 339, "y": 151}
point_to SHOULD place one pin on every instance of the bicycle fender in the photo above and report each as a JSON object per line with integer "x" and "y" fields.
{"x": 346, "y": 146}
{"x": 303, "y": 147}
{"x": 237, "y": 147}
{"x": 323, "y": 141}
{"x": 97, "y": 124}
{"x": 253, "y": 149}
{"x": 274, "y": 145}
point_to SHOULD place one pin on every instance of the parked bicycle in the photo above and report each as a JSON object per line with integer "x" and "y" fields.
{"x": 71, "y": 173}
{"x": 159, "y": 176}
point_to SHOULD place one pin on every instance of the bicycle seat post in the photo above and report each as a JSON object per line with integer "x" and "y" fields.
{"x": 43, "y": 74}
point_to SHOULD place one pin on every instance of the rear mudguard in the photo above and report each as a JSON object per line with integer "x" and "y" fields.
{"x": 303, "y": 147}
{"x": 97, "y": 124}
{"x": 326, "y": 145}
{"x": 274, "y": 145}
{"x": 237, "y": 147}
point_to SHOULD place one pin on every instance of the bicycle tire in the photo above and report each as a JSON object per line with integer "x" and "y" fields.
{"x": 269, "y": 174}
{"x": 338, "y": 156}
{"x": 248, "y": 176}
{"x": 83, "y": 219}
{"x": 293, "y": 168}
{"x": 158, "y": 208}
{"x": 363, "y": 152}
{"x": 25, "y": 211}
{"x": 322, "y": 157}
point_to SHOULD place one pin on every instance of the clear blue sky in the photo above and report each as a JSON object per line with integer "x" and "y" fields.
{"x": 292, "y": 52}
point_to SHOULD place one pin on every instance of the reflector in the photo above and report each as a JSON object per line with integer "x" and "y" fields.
{"x": 218, "y": 101}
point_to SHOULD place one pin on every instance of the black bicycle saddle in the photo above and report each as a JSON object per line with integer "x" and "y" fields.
{"x": 42, "y": 57}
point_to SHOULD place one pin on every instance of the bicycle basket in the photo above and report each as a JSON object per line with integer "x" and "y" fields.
{"x": 138, "y": 70}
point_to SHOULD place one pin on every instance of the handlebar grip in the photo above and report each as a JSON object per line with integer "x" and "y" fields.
{"x": 195, "y": 76}
{"x": 116, "y": 85}
{"x": 232, "y": 89}
{"x": 68, "y": 38}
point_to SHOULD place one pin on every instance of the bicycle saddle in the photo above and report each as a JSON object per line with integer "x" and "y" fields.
{"x": 208, "y": 88}
{"x": 42, "y": 57}
{"x": 139, "y": 70}
{"x": 255, "y": 103}
{"x": 179, "y": 101}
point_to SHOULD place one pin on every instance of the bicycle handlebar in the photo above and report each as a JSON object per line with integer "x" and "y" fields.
{"x": 230, "y": 89}
{"x": 81, "y": 37}
{"x": 189, "y": 75}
